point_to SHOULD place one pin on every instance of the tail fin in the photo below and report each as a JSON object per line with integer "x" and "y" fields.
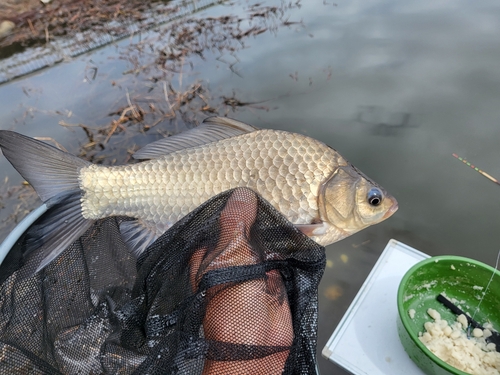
{"x": 54, "y": 176}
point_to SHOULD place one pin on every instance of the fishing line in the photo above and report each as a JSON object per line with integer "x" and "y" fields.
{"x": 493, "y": 179}
{"x": 484, "y": 293}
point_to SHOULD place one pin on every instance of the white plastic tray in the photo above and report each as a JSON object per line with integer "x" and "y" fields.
{"x": 366, "y": 341}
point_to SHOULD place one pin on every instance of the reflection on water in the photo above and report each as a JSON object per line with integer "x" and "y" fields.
{"x": 396, "y": 87}
{"x": 381, "y": 121}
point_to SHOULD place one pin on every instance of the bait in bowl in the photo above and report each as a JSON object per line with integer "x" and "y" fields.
{"x": 459, "y": 278}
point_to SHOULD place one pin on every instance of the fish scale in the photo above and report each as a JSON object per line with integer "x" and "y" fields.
{"x": 286, "y": 169}
{"x": 311, "y": 184}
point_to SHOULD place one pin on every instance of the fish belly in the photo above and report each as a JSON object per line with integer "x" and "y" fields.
{"x": 287, "y": 169}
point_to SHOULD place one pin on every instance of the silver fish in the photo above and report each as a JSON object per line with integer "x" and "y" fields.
{"x": 310, "y": 183}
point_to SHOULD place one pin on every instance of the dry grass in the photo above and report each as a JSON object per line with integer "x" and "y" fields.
{"x": 167, "y": 89}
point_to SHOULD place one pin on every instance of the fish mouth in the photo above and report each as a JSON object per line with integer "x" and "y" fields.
{"x": 391, "y": 210}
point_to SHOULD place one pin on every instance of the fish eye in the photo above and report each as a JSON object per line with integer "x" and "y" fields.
{"x": 374, "y": 197}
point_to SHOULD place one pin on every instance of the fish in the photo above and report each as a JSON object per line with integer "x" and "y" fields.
{"x": 310, "y": 183}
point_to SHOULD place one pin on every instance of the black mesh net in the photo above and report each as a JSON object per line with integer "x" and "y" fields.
{"x": 230, "y": 289}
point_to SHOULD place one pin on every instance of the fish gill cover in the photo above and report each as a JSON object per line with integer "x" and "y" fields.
{"x": 232, "y": 288}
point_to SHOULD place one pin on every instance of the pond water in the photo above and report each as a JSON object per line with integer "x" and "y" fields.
{"x": 396, "y": 87}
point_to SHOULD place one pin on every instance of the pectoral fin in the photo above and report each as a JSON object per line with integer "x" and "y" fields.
{"x": 311, "y": 230}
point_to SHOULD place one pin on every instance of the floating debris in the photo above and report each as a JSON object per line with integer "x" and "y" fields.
{"x": 162, "y": 88}
{"x": 333, "y": 292}
{"x": 6, "y": 28}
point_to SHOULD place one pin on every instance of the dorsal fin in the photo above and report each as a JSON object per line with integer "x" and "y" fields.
{"x": 210, "y": 130}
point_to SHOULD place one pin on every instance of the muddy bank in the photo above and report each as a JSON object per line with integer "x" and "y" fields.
{"x": 32, "y": 22}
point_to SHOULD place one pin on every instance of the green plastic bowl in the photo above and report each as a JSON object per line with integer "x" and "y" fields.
{"x": 459, "y": 278}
